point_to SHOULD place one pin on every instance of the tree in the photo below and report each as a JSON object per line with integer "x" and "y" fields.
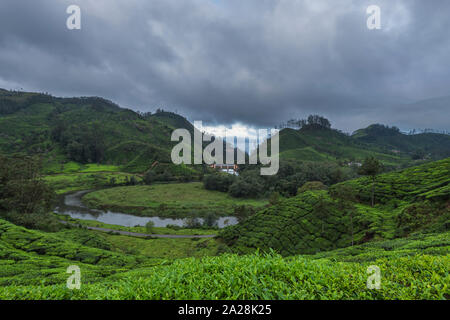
{"x": 149, "y": 227}
{"x": 246, "y": 189}
{"x": 274, "y": 198}
{"x": 22, "y": 188}
{"x": 218, "y": 181}
{"x": 371, "y": 167}
{"x": 242, "y": 212}
{"x": 192, "y": 223}
{"x": 210, "y": 220}
{"x": 318, "y": 120}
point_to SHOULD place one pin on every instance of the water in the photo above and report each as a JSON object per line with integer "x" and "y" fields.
{"x": 72, "y": 205}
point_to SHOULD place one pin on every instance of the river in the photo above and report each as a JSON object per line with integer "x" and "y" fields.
{"x": 72, "y": 205}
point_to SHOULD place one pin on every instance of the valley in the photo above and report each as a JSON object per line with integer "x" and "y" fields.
{"x": 84, "y": 182}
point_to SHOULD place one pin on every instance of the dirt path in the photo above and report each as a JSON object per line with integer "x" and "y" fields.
{"x": 144, "y": 235}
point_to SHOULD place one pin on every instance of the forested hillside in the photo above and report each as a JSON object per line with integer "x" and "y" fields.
{"x": 316, "y": 142}
{"x": 84, "y": 130}
{"x": 418, "y": 146}
{"x": 94, "y": 130}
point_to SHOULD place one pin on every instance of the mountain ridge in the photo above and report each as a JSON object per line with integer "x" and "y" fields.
{"x": 96, "y": 130}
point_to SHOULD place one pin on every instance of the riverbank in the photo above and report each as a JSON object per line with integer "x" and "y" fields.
{"x": 71, "y": 204}
{"x": 92, "y": 224}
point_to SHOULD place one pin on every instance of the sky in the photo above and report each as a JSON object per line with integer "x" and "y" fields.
{"x": 241, "y": 63}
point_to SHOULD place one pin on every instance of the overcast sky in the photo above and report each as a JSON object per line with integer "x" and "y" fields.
{"x": 254, "y": 62}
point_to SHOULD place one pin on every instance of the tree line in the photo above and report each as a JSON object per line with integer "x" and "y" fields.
{"x": 312, "y": 120}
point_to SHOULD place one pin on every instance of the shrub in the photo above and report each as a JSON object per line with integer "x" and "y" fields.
{"x": 149, "y": 227}
{"x": 192, "y": 223}
{"x": 218, "y": 181}
{"x": 312, "y": 185}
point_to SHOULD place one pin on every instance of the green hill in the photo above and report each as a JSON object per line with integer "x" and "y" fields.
{"x": 393, "y": 148}
{"x": 427, "y": 181}
{"x": 315, "y": 143}
{"x": 418, "y": 145}
{"x": 85, "y": 130}
{"x": 411, "y": 200}
{"x": 95, "y": 130}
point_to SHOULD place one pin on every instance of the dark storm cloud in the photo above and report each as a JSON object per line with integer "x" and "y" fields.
{"x": 251, "y": 61}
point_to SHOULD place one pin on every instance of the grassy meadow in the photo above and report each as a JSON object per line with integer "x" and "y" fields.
{"x": 167, "y": 200}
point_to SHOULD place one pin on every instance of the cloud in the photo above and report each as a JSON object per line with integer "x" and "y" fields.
{"x": 255, "y": 62}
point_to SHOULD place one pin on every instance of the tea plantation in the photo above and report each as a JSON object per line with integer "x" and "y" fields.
{"x": 408, "y": 201}
{"x": 414, "y": 270}
{"x": 296, "y": 248}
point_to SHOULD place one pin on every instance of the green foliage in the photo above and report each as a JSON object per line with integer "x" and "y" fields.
{"x": 291, "y": 176}
{"x": 317, "y": 143}
{"x": 30, "y": 257}
{"x": 260, "y": 277}
{"x": 437, "y": 244}
{"x": 44, "y": 221}
{"x": 169, "y": 173}
{"x": 21, "y": 187}
{"x": 243, "y": 212}
{"x": 427, "y": 181}
{"x": 33, "y": 266}
{"x": 247, "y": 186}
{"x": 149, "y": 227}
{"x": 311, "y": 186}
{"x": 67, "y": 182}
{"x": 210, "y": 220}
{"x": 307, "y": 223}
{"x": 169, "y": 200}
{"x": 316, "y": 221}
{"x": 371, "y": 167}
{"x": 25, "y": 198}
{"x": 86, "y": 142}
{"x": 218, "y": 181}
{"x": 274, "y": 198}
{"x": 419, "y": 146}
{"x": 427, "y": 216}
{"x": 85, "y": 130}
{"x": 192, "y": 223}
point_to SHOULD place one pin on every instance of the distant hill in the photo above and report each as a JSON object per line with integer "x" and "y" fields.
{"x": 408, "y": 201}
{"x": 393, "y": 148}
{"x": 315, "y": 143}
{"x": 419, "y": 145}
{"x": 96, "y": 130}
{"x": 85, "y": 130}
